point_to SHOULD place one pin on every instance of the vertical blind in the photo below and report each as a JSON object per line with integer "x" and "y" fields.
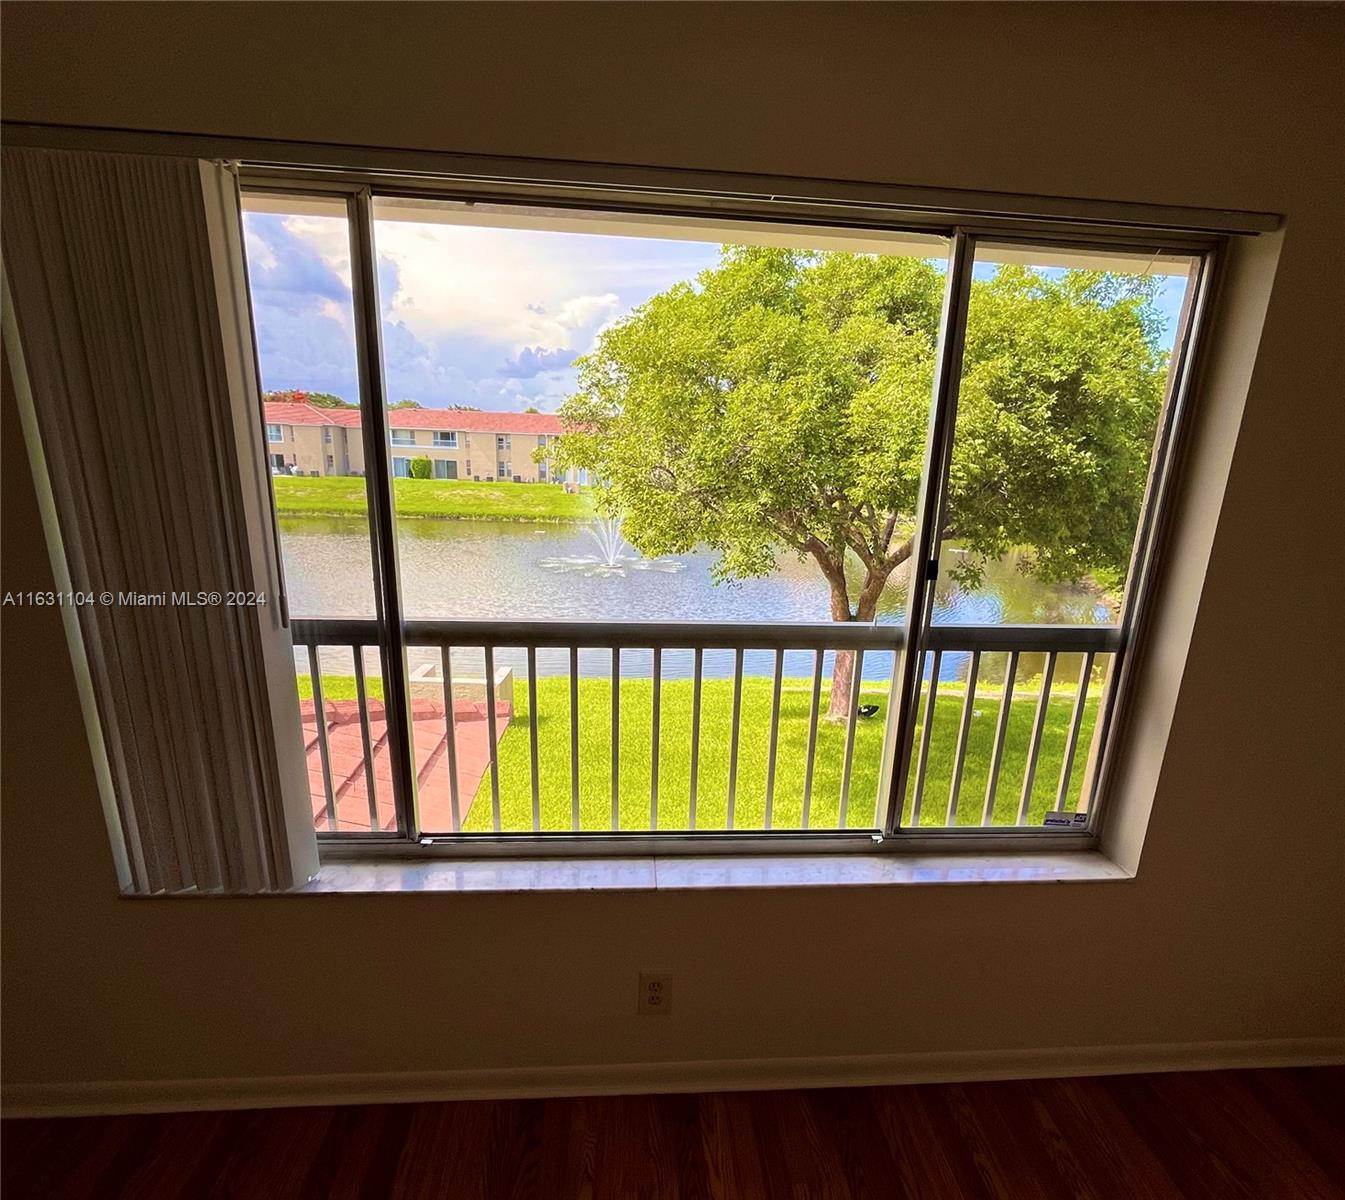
{"x": 125, "y": 277}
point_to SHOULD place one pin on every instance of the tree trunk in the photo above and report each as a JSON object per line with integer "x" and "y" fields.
{"x": 843, "y": 668}
{"x": 843, "y": 673}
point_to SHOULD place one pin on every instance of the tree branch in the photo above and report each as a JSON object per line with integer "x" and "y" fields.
{"x": 888, "y": 529}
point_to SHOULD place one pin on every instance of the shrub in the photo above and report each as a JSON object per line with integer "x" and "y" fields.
{"x": 421, "y": 468}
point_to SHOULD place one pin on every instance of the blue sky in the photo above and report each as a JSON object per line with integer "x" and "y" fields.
{"x": 472, "y": 315}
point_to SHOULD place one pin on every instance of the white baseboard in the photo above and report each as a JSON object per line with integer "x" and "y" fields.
{"x": 79, "y": 1098}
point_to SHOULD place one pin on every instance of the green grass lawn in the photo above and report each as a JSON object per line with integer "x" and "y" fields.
{"x": 595, "y": 751}
{"x": 461, "y": 499}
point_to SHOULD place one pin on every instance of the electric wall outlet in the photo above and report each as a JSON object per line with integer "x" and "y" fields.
{"x": 655, "y": 999}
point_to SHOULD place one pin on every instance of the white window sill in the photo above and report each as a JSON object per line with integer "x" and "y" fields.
{"x": 711, "y": 871}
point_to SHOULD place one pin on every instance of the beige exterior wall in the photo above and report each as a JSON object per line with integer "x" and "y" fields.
{"x": 477, "y": 455}
{"x": 339, "y": 450}
{"x": 282, "y": 446}
{"x": 317, "y": 450}
{"x": 354, "y": 447}
{"x": 311, "y": 449}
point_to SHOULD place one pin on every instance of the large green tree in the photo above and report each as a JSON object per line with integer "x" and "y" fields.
{"x": 781, "y": 403}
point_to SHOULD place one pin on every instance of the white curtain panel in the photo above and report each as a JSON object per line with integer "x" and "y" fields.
{"x": 125, "y": 274}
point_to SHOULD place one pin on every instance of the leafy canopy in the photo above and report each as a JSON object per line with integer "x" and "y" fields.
{"x": 783, "y": 401}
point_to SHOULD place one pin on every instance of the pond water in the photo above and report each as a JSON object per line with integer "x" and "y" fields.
{"x": 524, "y": 571}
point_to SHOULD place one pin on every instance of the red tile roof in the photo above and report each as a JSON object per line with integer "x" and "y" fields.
{"x": 281, "y": 412}
{"x": 286, "y": 413}
{"x": 474, "y": 422}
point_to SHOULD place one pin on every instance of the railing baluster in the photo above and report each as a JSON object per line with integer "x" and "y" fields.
{"x": 324, "y": 753}
{"x": 1001, "y": 728}
{"x": 654, "y": 736}
{"x": 532, "y": 739}
{"x": 925, "y": 735}
{"x": 856, "y": 682}
{"x": 815, "y": 712}
{"x": 366, "y": 740}
{"x": 733, "y": 736}
{"x": 492, "y": 750}
{"x": 699, "y": 657}
{"x": 1076, "y": 723}
{"x": 574, "y": 738}
{"x": 776, "y": 685}
{"x": 1034, "y": 749}
{"x": 451, "y": 738}
{"x": 616, "y": 737}
{"x": 960, "y": 760}
{"x": 886, "y": 748}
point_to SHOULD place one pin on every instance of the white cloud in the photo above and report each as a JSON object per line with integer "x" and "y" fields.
{"x": 465, "y": 280}
{"x": 517, "y": 289}
{"x": 584, "y": 311}
{"x": 340, "y": 313}
{"x": 471, "y": 314}
{"x": 260, "y": 255}
{"x": 330, "y": 238}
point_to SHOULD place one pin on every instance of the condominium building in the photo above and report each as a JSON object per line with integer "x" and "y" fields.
{"x": 303, "y": 439}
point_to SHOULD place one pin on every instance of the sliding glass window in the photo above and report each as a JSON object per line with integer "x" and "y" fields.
{"x": 1062, "y": 394}
{"x": 692, "y": 529}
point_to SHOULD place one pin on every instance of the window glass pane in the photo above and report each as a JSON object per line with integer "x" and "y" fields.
{"x": 1064, "y": 383}
{"x": 1064, "y": 378}
{"x": 298, "y": 256}
{"x": 656, "y": 420}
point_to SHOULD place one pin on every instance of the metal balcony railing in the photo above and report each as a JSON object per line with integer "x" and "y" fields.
{"x": 461, "y": 705}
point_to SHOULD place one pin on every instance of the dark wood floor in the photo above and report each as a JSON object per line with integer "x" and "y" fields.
{"x": 1269, "y": 1135}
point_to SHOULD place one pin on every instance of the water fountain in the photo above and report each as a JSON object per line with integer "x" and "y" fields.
{"x": 615, "y": 558}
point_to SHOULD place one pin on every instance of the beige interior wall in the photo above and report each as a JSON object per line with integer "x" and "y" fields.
{"x": 1232, "y": 929}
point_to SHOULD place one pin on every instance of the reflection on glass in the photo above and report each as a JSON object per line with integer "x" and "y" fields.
{"x": 1064, "y": 378}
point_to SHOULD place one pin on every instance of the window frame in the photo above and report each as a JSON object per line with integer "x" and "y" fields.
{"x": 445, "y": 439}
{"x": 279, "y": 432}
{"x": 1203, "y": 241}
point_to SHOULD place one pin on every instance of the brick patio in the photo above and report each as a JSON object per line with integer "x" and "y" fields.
{"x": 431, "y": 757}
